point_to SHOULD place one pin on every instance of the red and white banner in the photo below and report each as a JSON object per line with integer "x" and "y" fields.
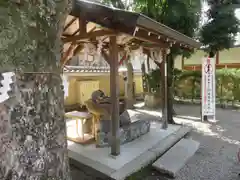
{"x": 208, "y": 87}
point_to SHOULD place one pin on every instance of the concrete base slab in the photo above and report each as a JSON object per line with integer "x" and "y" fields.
{"x": 133, "y": 157}
{"x": 174, "y": 159}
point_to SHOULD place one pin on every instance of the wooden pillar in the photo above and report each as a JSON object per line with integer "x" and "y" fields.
{"x": 148, "y": 63}
{"x": 164, "y": 90}
{"x": 114, "y": 91}
{"x": 182, "y": 62}
{"x": 217, "y": 58}
{"x": 130, "y": 90}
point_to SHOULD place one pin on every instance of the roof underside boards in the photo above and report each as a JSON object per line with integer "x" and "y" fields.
{"x": 130, "y": 23}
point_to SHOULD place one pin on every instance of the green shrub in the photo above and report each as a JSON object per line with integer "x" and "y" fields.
{"x": 187, "y": 84}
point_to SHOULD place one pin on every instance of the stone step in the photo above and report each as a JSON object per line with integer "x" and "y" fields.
{"x": 151, "y": 155}
{"x": 174, "y": 159}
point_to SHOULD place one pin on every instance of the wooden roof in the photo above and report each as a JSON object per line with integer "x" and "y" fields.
{"x": 130, "y": 23}
{"x": 93, "y": 23}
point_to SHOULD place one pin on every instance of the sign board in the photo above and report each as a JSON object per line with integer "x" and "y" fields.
{"x": 208, "y": 87}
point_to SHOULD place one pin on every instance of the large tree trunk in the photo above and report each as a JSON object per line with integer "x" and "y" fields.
{"x": 32, "y": 126}
{"x": 144, "y": 80}
{"x": 130, "y": 95}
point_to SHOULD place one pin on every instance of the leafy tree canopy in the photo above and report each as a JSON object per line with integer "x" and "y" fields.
{"x": 180, "y": 15}
{"x": 222, "y": 27}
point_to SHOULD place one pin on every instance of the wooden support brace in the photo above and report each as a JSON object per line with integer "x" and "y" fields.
{"x": 90, "y": 35}
{"x": 69, "y": 24}
{"x": 78, "y": 30}
{"x": 106, "y": 57}
{"x": 66, "y": 54}
{"x": 77, "y": 49}
{"x": 82, "y": 26}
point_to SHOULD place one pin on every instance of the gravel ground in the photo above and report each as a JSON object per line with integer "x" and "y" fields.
{"x": 216, "y": 158}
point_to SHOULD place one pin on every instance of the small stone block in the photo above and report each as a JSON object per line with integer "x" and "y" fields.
{"x": 174, "y": 159}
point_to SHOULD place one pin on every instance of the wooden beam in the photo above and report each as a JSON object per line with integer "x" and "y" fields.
{"x": 78, "y": 30}
{"x": 114, "y": 91}
{"x": 78, "y": 49}
{"x": 66, "y": 54}
{"x": 69, "y": 24}
{"x": 106, "y": 56}
{"x": 104, "y": 38}
{"x": 148, "y": 63}
{"x": 164, "y": 90}
{"x": 90, "y": 35}
{"x": 143, "y": 36}
{"x": 93, "y": 29}
{"x": 82, "y": 26}
{"x": 163, "y": 38}
{"x": 75, "y": 32}
{"x": 75, "y": 52}
{"x": 217, "y": 57}
{"x": 182, "y": 61}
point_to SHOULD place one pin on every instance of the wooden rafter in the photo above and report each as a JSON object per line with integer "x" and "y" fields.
{"x": 78, "y": 30}
{"x": 143, "y": 36}
{"x": 93, "y": 29}
{"x": 90, "y": 35}
{"x": 77, "y": 49}
{"x": 127, "y": 39}
{"x": 69, "y": 24}
{"x": 75, "y": 32}
{"x": 82, "y": 26}
{"x": 105, "y": 38}
{"x": 64, "y": 59}
{"x": 106, "y": 56}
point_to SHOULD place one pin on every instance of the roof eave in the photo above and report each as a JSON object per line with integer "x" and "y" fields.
{"x": 148, "y": 23}
{"x": 107, "y": 17}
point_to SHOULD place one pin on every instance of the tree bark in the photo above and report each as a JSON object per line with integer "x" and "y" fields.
{"x": 144, "y": 80}
{"x": 32, "y": 126}
{"x": 130, "y": 95}
{"x": 148, "y": 63}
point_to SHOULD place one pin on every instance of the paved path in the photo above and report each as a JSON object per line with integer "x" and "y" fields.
{"x": 216, "y": 158}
